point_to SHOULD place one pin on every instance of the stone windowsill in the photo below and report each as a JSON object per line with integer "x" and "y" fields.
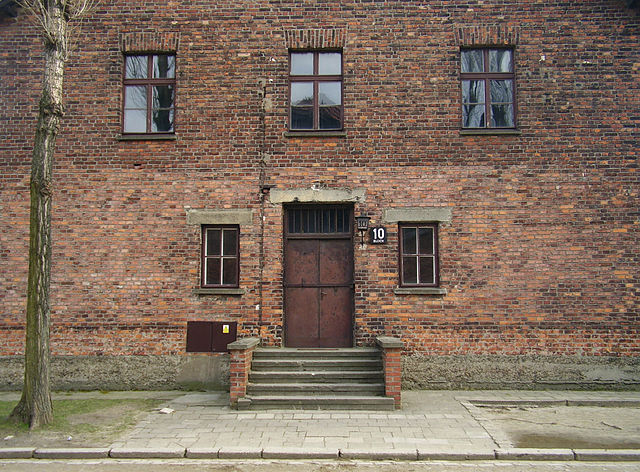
{"x": 218, "y": 291}
{"x": 420, "y": 291}
{"x": 148, "y": 137}
{"x": 490, "y": 131}
{"x": 315, "y": 134}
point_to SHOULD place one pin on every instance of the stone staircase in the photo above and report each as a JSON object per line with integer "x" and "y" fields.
{"x": 335, "y": 379}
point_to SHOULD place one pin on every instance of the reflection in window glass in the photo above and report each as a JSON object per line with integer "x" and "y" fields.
{"x": 136, "y": 67}
{"x": 164, "y": 67}
{"x": 301, "y": 63}
{"x": 329, "y": 63}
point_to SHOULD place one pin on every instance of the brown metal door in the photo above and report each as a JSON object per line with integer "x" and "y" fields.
{"x": 318, "y": 284}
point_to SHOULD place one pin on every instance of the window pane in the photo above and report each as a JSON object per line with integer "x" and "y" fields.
{"x": 473, "y": 116}
{"x": 162, "y": 121}
{"x": 164, "y": 67}
{"x": 212, "y": 274}
{"x": 501, "y": 91}
{"x": 301, "y": 63}
{"x": 409, "y": 270}
{"x": 472, "y": 60}
{"x": 473, "y": 91}
{"x": 502, "y": 116}
{"x": 329, "y": 63}
{"x": 330, "y": 93}
{"x": 427, "y": 270}
{"x": 135, "y": 97}
{"x": 163, "y": 96}
{"x": 425, "y": 236}
{"x": 409, "y": 241}
{"x": 136, "y": 67}
{"x": 213, "y": 242}
{"x": 230, "y": 242}
{"x": 229, "y": 271}
{"x": 500, "y": 60}
{"x": 135, "y": 121}
{"x": 301, "y": 117}
{"x": 301, "y": 93}
{"x": 330, "y": 118}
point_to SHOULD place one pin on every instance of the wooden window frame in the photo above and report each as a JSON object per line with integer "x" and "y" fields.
{"x": 486, "y": 77}
{"x": 149, "y": 82}
{"x": 316, "y": 79}
{"x": 205, "y": 258}
{"x": 418, "y": 254}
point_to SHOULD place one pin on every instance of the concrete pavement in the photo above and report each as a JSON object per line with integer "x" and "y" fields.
{"x": 432, "y": 426}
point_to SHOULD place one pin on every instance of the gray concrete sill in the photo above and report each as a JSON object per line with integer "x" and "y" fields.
{"x": 420, "y": 291}
{"x": 315, "y": 134}
{"x": 490, "y": 132}
{"x": 388, "y": 342}
{"x": 218, "y": 291}
{"x": 148, "y": 137}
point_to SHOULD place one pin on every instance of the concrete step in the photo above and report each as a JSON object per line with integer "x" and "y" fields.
{"x": 299, "y": 389}
{"x": 317, "y": 402}
{"x": 337, "y": 376}
{"x": 317, "y": 353}
{"x": 316, "y": 364}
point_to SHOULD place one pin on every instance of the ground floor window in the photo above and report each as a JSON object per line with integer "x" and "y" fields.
{"x": 418, "y": 255}
{"x": 220, "y": 256}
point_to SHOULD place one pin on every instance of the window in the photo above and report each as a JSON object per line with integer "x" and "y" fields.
{"x": 315, "y": 90}
{"x": 220, "y": 256}
{"x": 149, "y": 93}
{"x": 487, "y": 88}
{"x": 419, "y": 255}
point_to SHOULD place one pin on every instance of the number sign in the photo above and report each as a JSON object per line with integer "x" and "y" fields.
{"x": 379, "y": 235}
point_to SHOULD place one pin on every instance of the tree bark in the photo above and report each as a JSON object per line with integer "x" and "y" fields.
{"x": 35, "y": 407}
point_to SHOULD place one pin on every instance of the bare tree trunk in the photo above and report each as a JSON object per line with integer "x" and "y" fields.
{"x": 35, "y": 406}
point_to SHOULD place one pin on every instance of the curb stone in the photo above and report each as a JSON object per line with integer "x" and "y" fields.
{"x": 392, "y": 454}
{"x": 71, "y": 453}
{"x": 202, "y": 453}
{"x": 240, "y": 453}
{"x": 17, "y": 453}
{"x": 299, "y": 453}
{"x": 525, "y": 454}
{"x": 151, "y": 453}
{"x": 455, "y": 454}
{"x": 614, "y": 455}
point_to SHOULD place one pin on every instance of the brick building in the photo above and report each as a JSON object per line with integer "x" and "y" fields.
{"x": 214, "y": 157}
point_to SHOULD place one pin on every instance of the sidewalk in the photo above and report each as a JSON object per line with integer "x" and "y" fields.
{"x": 433, "y": 425}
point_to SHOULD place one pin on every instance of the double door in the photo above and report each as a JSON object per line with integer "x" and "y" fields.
{"x": 318, "y": 277}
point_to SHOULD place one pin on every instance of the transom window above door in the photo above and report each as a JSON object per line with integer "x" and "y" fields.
{"x": 315, "y": 90}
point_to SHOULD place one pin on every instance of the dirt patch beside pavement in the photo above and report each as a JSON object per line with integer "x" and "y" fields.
{"x": 93, "y": 422}
{"x": 570, "y": 427}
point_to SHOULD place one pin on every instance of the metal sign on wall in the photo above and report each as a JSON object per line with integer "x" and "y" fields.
{"x": 378, "y": 235}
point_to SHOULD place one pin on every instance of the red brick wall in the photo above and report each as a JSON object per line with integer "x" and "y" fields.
{"x": 541, "y": 254}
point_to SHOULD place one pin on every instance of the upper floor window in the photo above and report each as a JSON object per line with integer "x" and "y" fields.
{"x": 419, "y": 255}
{"x": 488, "y": 85}
{"x": 315, "y": 90}
{"x": 149, "y": 93}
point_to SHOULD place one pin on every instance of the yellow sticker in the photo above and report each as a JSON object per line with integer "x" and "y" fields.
{"x": 225, "y": 329}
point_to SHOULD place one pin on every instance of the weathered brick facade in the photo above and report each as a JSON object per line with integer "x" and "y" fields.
{"x": 539, "y": 248}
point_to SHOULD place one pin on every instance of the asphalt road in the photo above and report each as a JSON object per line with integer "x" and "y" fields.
{"x": 112, "y": 465}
